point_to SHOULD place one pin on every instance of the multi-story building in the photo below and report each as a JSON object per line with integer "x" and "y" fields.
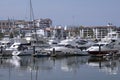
{"x": 96, "y": 32}
{"x": 8, "y": 25}
{"x": 43, "y": 23}
{"x": 56, "y": 32}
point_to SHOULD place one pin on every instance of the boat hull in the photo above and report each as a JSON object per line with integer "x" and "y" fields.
{"x": 109, "y": 52}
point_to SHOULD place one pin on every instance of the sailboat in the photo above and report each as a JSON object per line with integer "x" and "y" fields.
{"x": 21, "y": 48}
{"x": 38, "y": 42}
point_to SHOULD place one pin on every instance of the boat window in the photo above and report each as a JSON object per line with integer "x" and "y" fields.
{"x": 34, "y": 42}
{"x": 82, "y": 42}
{"x": 107, "y": 44}
{"x": 16, "y": 45}
{"x": 113, "y": 35}
{"x": 113, "y": 40}
{"x": 54, "y": 43}
{"x": 13, "y": 45}
{"x": 60, "y": 45}
{"x": 3, "y": 44}
{"x": 8, "y": 44}
{"x": 42, "y": 42}
{"x": 69, "y": 46}
{"x": 102, "y": 44}
{"x": 96, "y": 45}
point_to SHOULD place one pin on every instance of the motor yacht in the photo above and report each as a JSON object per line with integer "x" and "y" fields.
{"x": 5, "y": 42}
{"x": 66, "y": 47}
{"x": 108, "y": 45}
{"x": 19, "y": 47}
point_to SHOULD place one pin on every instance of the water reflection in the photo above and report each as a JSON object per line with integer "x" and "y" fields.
{"x": 34, "y": 68}
{"x": 71, "y": 63}
{"x": 14, "y": 61}
{"x": 108, "y": 65}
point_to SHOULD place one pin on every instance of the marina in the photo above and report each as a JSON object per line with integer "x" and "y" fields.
{"x": 73, "y": 59}
{"x": 59, "y": 40}
{"x": 37, "y": 45}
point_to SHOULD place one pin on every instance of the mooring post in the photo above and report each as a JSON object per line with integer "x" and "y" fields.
{"x": 53, "y": 50}
{"x": 99, "y": 48}
{"x": 33, "y": 50}
{"x": 1, "y": 51}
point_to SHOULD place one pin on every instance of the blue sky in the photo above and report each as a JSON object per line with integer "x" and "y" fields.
{"x": 65, "y": 12}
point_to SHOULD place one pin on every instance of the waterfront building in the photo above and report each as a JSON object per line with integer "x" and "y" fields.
{"x": 96, "y": 32}
{"x": 22, "y": 26}
{"x": 43, "y": 23}
{"x": 8, "y": 26}
{"x": 56, "y": 32}
{"x": 5, "y": 25}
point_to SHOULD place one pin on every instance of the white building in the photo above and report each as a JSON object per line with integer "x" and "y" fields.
{"x": 96, "y": 32}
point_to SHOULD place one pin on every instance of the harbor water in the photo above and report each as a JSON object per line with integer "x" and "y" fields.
{"x": 61, "y": 68}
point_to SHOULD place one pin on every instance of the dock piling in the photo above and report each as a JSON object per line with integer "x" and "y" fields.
{"x": 53, "y": 50}
{"x": 1, "y": 51}
{"x": 33, "y": 50}
{"x": 99, "y": 48}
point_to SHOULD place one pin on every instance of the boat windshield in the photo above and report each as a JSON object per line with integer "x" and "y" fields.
{"x": 81, "y": 43}
{"x": 61, "y": 45}
{"x": 68, "y": 45}
{"x": 98, "y": 44}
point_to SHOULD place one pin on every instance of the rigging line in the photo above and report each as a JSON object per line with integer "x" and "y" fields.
{"x": 32, "y": 17}
{"x": 31, "y": 11}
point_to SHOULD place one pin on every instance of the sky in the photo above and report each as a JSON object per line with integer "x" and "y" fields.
{"x": 64, "y": 12}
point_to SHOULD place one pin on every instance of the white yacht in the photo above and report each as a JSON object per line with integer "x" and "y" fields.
{"x": 109, "y": 44}
{"x": 84, "y": 44}
{"x": 112, "y": 36}
{"x": 53, "y": 42}
{"x": 98, "y": 47}
{"x": 36, "y": 39}
{"x": 22, "y": 52}
{"x": 19, "y": 43}
{"x": 19, "y": 47}
{"x": 5, "y": 42}
{"x": 67, "y": 47}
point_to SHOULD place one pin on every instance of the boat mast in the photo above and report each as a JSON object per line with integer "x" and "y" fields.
{"x": 32, "y": 19}
{"x": 31, "y": 11}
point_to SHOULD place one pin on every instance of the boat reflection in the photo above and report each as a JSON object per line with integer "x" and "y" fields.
{"x": 72, "y": 63}
{"x": 109, "y": 65}
{"x": 14, "y": 61}
{"x": 66, "y": 64}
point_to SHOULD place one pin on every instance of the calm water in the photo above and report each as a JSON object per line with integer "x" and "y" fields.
{"x": 72, "y": 68}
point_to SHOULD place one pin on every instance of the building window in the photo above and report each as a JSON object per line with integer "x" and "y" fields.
{"x": 3, "y": 24}
{"x": 7, "y": 24}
